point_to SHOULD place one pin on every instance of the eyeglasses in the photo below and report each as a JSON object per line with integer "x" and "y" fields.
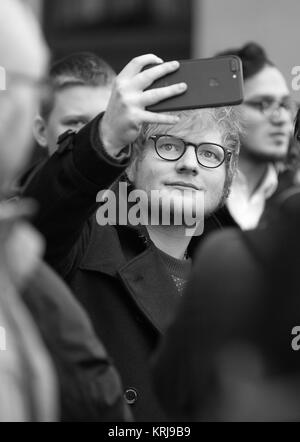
{"x": 171, "y": 148}
{"x": 268, "y": 106}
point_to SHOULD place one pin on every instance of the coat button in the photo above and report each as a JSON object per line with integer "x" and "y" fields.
{"x": 130, "y": 396}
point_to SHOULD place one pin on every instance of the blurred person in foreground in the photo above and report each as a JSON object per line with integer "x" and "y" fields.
{"x": 267, "y": 112}
{"x": 129, "y": 272}
{"x": 89, "y": 387}
{"x": 27, "y": 382}
{"x": 231, "y": 354}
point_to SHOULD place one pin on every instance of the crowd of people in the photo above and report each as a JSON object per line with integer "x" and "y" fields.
{"x": 138, "y": 320}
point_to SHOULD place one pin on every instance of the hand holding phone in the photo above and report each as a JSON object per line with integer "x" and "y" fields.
{"x": 126, "y": 111}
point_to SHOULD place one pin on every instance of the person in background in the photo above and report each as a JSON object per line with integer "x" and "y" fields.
{"x": 81, "y": 87}
{"x": 267, "y": 113}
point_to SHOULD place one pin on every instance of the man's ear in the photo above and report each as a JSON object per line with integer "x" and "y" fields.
{"x": 39, "y": 131}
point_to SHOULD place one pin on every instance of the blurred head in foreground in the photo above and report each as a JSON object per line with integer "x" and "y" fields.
{"x": 23, "y": 61}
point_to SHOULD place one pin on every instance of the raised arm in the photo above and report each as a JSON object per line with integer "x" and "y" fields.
{"x": 91, "y": 160}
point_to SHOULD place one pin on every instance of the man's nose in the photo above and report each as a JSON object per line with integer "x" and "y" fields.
{"x": 188, "y": 162}
{"x": 281, "y": 116}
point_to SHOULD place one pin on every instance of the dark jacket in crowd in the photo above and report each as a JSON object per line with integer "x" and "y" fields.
{"x": 114, "y": 271}
{"x": 89, "y": 386}
{"x": 244, "y": 293}
{"x": 225, "y": 218}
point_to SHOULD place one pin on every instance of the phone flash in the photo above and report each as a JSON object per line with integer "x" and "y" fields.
{"x": 234, "y": 76}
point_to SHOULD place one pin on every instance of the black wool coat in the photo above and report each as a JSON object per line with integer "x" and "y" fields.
{"x": 114, "y": 271}
{"x": 89, "y": 386}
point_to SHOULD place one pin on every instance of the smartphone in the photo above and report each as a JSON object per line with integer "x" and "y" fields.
{"x": 212, "y": 82}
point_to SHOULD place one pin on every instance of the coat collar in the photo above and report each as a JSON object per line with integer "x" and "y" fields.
{"x": 151, "y": 288}
{"x": 120, "y": 251}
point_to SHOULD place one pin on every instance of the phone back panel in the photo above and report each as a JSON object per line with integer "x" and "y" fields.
{"x": 212, "y": 82}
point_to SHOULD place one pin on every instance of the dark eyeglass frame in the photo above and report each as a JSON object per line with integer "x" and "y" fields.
{"x": 226, "y": 158}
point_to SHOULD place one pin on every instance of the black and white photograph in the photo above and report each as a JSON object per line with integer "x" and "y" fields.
{"x": 149, "y": 214}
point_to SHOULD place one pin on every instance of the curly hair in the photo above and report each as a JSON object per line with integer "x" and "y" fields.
{"x": 253, "y": 56}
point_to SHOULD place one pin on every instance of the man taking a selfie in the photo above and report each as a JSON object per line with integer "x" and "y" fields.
{"x": 130, "y": 275}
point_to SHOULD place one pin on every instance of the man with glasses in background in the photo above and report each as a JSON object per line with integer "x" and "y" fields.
{"x": 267, "y": 113}
{"x": 130, "y": 275}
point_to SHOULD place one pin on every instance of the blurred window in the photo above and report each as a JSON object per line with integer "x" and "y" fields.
{"x": 119, "y": 30}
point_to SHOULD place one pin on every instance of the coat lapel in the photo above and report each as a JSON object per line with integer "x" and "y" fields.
{"x": 151, "y": 288}
{"x": 120, "y": 252}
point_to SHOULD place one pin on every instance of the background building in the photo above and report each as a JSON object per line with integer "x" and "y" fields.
{"x": 121, "y": 29}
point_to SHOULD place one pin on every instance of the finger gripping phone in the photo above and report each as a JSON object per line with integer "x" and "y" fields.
{"x": 212, "y": 82}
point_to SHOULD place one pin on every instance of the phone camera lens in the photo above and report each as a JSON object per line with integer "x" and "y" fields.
{"x": 234, "y": 65}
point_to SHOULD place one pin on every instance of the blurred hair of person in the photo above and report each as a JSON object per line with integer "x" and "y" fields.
{"x": 81, "y": 85}
{"x": 267, "y": 113}
{"x": 229, "y": 354}
{"x": 24, "y": 57}
{"x": 89, "y": 386}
